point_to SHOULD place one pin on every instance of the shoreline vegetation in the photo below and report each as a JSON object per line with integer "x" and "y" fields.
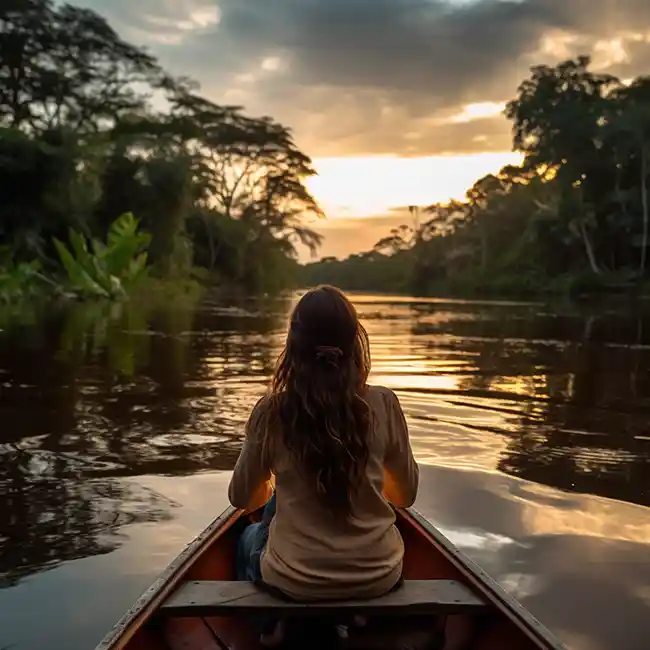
{"x": 119, "y": 181}
{"x": 116, "y": 176}
{"x": 572, "y": 220}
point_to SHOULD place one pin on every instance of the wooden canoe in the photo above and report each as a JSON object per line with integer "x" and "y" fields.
{"x": 192, "y": 606}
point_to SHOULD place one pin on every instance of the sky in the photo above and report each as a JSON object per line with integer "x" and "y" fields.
{"x": 398, "y": 102}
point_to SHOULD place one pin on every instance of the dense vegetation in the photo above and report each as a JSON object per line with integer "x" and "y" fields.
{"x": 573, "y": 216}
{"x": 97, "y": 139}
{"x": 92, "y": 129}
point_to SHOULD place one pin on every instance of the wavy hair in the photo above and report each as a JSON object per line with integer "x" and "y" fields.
{"x": 316, "y": 403}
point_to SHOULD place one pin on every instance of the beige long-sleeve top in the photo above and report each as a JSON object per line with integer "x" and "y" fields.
{"x": 310, "y": 554}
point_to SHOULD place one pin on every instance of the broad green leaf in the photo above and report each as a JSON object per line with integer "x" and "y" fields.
{"x": 78, "y": 276}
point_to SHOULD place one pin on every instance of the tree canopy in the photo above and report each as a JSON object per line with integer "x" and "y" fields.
{"x": 574, "y": 215}
{"x": 82, "y": 141}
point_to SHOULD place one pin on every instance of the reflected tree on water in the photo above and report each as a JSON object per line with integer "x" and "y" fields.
{"x": 53, "y": 511}
{"x": 571, "y": 389}
{"x": 592, "y": 432}
{"x": 91, "y": 399}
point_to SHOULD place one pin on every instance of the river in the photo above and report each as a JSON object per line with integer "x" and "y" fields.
{"x": 119, "y": 429}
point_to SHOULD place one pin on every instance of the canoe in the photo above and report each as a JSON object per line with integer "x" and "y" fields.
{"x": 196, "y": 605}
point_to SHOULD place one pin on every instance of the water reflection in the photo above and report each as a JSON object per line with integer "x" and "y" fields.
{"x": 570, "y": 393}
{"x": 102, "y": 392}
{"x": 93, "y": 398}
{"x": 576, "y": 561}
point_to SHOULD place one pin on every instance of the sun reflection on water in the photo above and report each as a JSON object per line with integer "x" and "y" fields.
{"x": 530, "y": 427}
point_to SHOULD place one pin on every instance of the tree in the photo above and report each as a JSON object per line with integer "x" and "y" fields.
{"x": 558, "y": 122}
{"x": 629, "y": 122}
{"x": 65, "y": 66}
{"x": 80, "y": 145}
{"x": 400, "y": 239}
{"x": 250, "y": 169}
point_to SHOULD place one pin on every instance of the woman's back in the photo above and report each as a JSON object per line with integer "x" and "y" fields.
{"x": 338, "y": 448}
{"x": 315, "y": 554}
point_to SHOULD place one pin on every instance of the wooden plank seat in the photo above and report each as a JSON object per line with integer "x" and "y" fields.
{"x": 221, "y": 598}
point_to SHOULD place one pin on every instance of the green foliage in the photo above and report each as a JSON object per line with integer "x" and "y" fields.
{"x": 107, "y": 270}
{"x": 64, "y": 65}
{"x": 18, "y": 280}
{"x": 80, "y": 144}
{"x": 158, "y": 292}
{"x": 366, "y": 271}
{"x": 574, "y": 217}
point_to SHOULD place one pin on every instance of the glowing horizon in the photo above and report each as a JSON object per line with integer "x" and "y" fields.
{"x": 349, "y": 187}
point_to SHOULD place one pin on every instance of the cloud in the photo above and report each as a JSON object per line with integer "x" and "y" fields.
{"x": 381, "y": 76}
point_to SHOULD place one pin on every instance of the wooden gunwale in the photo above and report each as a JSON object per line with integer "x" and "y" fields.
{"x": 484, "y": 584}
{"x": 150, "y": 600}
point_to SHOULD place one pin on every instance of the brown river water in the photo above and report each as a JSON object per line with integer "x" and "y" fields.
{"x": 119, "y": 428}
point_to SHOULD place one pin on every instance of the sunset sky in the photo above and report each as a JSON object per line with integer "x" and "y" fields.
{"x": 397, "y": 101}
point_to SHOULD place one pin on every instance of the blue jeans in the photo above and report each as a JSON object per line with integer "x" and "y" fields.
{"x": 249, "y": 555}
{"x": 251, "y": 544}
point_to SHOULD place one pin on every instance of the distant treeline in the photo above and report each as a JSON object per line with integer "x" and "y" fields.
{"x": 573, "y": 216}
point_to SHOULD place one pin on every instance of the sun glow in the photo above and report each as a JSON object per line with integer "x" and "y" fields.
{"x": 367, "y": 186}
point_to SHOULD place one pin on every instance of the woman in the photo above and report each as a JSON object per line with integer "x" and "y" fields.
{"x": 340, "y": 453}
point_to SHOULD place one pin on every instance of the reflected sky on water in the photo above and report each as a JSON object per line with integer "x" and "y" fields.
{"x": 121, "y": 425}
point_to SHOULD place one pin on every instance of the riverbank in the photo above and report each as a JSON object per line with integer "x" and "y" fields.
{"x": 363, "y": 277}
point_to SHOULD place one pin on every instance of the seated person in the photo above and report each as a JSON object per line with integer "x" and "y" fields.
{"x": 340, "y": 454}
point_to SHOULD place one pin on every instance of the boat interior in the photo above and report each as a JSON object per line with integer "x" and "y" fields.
{"x": 196, "y": 626}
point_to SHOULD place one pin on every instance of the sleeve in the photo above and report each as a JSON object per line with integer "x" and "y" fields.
{"x": 250, "y": 487}
{"x": 401, "y": 472}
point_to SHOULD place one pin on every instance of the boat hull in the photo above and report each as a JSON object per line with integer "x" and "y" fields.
{"x": 429, "y": 555}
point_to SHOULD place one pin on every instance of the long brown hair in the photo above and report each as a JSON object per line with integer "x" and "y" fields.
{"x": 316, "y": 404}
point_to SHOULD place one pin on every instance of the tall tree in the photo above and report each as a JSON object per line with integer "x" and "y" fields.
{"x": 65, "y": 66}
{"x": 629, "y": 122}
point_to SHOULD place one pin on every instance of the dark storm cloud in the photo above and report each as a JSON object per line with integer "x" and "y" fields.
{"x": 405, "y": 47}
{"x": 369, "y": 76}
